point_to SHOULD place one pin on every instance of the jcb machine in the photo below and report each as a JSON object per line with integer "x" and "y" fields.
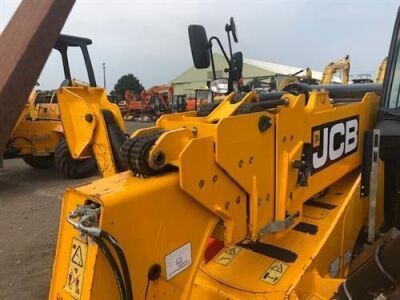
{"x": 47, "y": 128}
{"x": 285, "y": 195}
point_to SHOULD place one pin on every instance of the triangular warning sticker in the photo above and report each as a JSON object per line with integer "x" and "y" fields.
{"x": 231, "y": 251}
{"x": 277, "y": 268}
{"x": 77, "y": 257}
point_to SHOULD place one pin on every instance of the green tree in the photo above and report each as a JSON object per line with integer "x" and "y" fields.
{"x": 127, "y": 82}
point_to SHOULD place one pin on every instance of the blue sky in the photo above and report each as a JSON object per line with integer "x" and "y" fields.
{"x": 149, "y": 37}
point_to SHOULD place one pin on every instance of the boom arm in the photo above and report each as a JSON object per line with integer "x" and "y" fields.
{"x": 381, "y": 71}
{"x": 342, "y": 64}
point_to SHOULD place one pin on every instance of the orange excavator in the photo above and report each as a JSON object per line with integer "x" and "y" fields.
{"x": 150, "y": 103}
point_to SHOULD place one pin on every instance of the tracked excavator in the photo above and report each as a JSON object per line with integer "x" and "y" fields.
{"x": 283, "y": 195}
{"x": 47, "y": 129}
{"x": 150, "y": 103}
{"x": 340, "y": 65}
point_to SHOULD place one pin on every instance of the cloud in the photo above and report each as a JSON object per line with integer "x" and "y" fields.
{"x": 149, "y": 38}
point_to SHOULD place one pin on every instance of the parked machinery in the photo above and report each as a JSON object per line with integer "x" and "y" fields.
{"x": 380, "y": 76}
{"x": 270, "y": 196}
{"x": 43, "y": 136}
{"x": 150, "y": 103}
{"x": 278, "y": 82}
{"x": 340, "y": 65}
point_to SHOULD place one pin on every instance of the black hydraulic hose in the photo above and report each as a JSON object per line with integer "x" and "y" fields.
{"x": 336, "y": 91}
{"x": 124, "y": 265}
{"x": 114, "y": 266}
{"x": 273, "y": 103}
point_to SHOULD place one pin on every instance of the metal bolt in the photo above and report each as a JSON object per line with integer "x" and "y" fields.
{"x": 291, "y": 137}
{"x": 89, "y": 118}
{"x": 194, "y": 131}
{"x": 227, "y": 205}
{"x": 284, "y": 139}
{"x": 251, "y": 160}
{"x": 240, "y": 163}
{"x": 259, "y": 201}
{"x": 291, "y": 195}
{"x": 201, "y": 184}
{"x": 237, "y": 199}
{"x": 215, "y": 178}
{"x": 264, "y": 123}
{"x": 267, "y": 198}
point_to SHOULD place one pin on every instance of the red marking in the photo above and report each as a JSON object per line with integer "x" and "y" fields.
{"x": 214, "y": 246}
{"x": 73, "y": 279}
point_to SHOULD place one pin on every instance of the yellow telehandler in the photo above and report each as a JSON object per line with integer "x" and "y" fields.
{"x": 283, "y": 195}
{"x": 45, "y": 130}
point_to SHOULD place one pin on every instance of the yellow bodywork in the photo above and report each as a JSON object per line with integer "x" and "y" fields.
{"x": 38, "y": 129}
{"x": 84, "y": 125}
{"x": 41, "y": 126}
{"x": 235, "y": 182}
{"x": 38, "y": 137}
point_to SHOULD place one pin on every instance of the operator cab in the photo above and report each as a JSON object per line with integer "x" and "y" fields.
{"x": 389, "y": 126}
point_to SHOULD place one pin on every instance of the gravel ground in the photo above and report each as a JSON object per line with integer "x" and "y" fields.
{"x": 30, "y": 203}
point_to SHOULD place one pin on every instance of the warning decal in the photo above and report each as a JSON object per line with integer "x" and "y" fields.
{"x": 226, "y": 256}
{"x": 77, "y": 256}
{"x": 275, "y": 272}
{"x": 76, "y": 268}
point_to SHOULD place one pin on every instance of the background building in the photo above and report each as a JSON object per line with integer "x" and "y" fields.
{"x": 192, "y": 79}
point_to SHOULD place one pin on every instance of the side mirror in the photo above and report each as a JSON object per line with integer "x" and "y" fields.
{"x": 237, "y": 65}
{"x": 233, "y": 29}
{"x": 199, "y": 46}
{"x": 219, "y": 86}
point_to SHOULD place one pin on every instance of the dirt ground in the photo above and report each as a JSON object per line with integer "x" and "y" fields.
{"x": 30, "y": 202}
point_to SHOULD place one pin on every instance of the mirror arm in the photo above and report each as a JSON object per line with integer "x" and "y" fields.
{"x": 222, "y": 49}
{"x": 212, "y": 62}
{"x": 230, "y": 44}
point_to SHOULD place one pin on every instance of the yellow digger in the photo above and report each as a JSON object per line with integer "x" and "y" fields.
{"x": 44, "y": 132}
{"x": 340, "y": 65}
{"x": 284, "y": 195}
{"x": 380, "y": 76}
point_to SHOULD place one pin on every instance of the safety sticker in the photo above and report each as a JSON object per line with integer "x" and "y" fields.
{"x": 275, "y": 272}
{"x": 226, "y": 256}
{"x": 178, "y": 260}
{"x": 76, "y": 268}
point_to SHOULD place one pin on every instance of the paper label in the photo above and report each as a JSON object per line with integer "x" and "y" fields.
{"x": 178, "y": 261}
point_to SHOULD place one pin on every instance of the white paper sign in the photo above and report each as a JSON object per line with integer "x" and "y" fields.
{"x": 178, "y": 260}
